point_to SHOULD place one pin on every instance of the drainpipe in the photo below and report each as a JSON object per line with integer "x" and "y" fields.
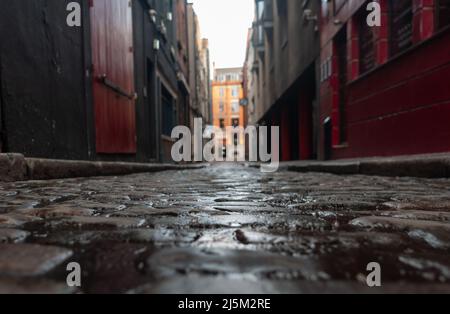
{"x": 3, "y": 134}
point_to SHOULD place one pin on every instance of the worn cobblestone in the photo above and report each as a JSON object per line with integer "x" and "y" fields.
{"x": 25, "y": 260}
{"x": 11, "y": 235}
{"x": 227, "y": 228}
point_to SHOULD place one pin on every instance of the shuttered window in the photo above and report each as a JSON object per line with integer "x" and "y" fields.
{"x": 401, "y": 25}
{"x": 366, "y": 42}
{"x": 443, "y": 13}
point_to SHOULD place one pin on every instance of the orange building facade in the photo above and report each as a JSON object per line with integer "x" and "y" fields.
{"x": 227, "y": 93}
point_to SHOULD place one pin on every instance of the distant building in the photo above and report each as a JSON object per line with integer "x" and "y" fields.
{"x": 199, "y": 70}
{"x": 182, "y": 45}
{"x": 227, "y": 93}
{"x": 249, "y": 82}
{"x": 205, "y": 81}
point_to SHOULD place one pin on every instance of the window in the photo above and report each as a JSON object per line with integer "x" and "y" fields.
{"x": 401, "y": 25}
{"x": 443, "y": 15}
{"x": 221, "y": 107}
{"x": 282, "y": 7}
{"x": 222, "y": 123}
{"x": 366, "y": 44}
{"x": 259, "y": 9}
{"x": 235, "y": 91}
{"x": 235, "y": 106}
{"x": 235, "y": 123}
{"x": 236, "y": 141}
{"x": 168, "y": 112}
{"x": 252, "y": 105}
{"x": 222, "y": 92}
{"x": 233, "y": 77}
{"x": 258, "y": 35}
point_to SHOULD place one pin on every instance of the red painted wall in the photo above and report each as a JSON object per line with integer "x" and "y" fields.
{"x": 403, "y": 105}
{"x": 285, "y": 134}
{"x": 305, "y": 125}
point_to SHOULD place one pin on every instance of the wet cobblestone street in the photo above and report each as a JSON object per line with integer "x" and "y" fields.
{"x": 225, "y": 229}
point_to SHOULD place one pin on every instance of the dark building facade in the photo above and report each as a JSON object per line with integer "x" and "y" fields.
{"x": 182, "y": 46}
{"x": 43, "y": 89}
{"x": 111, "y": 89}
{"x": 282, "y": 67}
{"x": 199, "y": 70}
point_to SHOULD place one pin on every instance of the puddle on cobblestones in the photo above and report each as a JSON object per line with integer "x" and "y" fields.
{"x": 165, "y": 263}
{"x": 112, "y": 267}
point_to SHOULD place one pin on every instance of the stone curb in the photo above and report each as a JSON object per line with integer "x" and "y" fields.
{"x": 343, "y": 168}
{"x": 421, "y": 166}
{"x": 15, "y": 167}
{"x": 437, "y": 167}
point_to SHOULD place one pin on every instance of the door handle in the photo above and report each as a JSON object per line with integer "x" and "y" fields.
{"x": 117, "y": 89}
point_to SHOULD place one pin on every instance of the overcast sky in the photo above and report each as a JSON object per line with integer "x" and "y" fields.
{"x": 225, "y": 23}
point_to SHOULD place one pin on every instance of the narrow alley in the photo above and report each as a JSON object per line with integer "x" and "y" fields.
{"x": 226, "y": 228}
{"x": 211, "y": 149}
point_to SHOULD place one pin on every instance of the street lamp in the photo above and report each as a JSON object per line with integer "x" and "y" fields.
{"x": 308, "y": 16}
{"x": 154, "y": 14}
{"x": 161, "y": 26}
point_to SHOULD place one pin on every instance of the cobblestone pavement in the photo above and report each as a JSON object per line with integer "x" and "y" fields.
{"x": 225, "y": 229}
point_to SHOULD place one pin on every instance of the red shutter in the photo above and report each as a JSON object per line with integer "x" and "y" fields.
{"x": 112, "y": 58}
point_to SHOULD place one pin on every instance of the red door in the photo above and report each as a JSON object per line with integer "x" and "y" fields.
{"x": 113, "y": 70}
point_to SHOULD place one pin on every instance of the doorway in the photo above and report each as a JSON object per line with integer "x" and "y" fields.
{"x": 113, "y": 76}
